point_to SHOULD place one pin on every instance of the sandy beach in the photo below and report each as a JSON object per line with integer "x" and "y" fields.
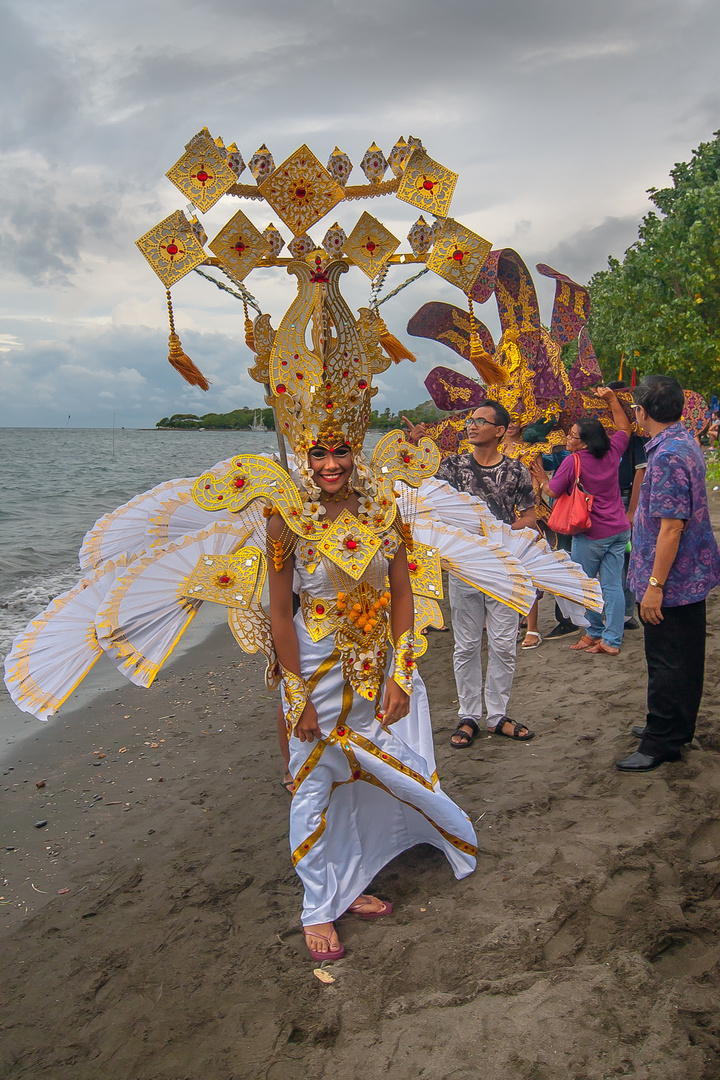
{"x": 150, "y": 924}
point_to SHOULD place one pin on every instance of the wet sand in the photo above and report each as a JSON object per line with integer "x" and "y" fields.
{"x": 150, "y": 929}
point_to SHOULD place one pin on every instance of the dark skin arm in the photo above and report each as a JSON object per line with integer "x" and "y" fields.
{"x": 396, "y": 702}
{"x": 283, "y": 628}
{"x": 671, "y": 530}
{"x": 527, "y": 520}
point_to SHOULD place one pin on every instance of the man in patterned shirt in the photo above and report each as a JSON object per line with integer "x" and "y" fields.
{"x": 674, "y": 564}
{"x": 507, "y": 488}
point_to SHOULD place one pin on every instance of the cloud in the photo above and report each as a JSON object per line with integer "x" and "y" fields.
{"x": 557, "y": 116}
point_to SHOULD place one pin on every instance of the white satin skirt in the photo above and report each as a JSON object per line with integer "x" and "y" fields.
{"x": 363, "y": 794}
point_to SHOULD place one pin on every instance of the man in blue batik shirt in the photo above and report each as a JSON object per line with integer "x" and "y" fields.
{"x": 674, "y": 564}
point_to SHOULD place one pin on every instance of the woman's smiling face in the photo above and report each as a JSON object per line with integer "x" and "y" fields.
{"x": 331, "y": 468}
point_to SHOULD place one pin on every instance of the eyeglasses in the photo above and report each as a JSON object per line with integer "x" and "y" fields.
{"x": 479, "y": 421}
{"x": 577, "y": 438}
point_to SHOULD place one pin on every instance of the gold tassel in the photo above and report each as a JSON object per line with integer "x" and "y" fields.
{"x": 392, "y": 346}
{"x": 249, "y": 335}
{"x": 491, "y": 373}
{"x": 179, "y": 359}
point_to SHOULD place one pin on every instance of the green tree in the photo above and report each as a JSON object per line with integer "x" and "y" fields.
{"x": 660, "y": 306}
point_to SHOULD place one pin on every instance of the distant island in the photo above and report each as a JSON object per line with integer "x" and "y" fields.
{"x": 246, "y": 419}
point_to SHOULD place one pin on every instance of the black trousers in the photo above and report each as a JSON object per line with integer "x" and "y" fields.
{"x": 675, "y": 655}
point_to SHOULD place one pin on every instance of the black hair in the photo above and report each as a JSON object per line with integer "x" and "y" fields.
{"x": 502, "y": 416}
{"x": 661, "y": 397}
{"x": 594, "y": 435}
{"x": 536, "y": 432}
{"x": 619, "y": 384}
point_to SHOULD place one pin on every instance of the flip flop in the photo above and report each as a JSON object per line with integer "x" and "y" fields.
{"x": 584, "y": 643}
{"x": 321, "y": 957}
{"x": 289, "y": 786}
{"x": 468, "y": 736}
{"x": 386, "y": 909}
{"x": 517, "y": 728}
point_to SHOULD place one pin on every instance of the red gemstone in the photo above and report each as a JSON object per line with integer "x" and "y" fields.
{"x": 300, "y": 192}
{"x": 207, "y": 487}
{"x": 458, "y": 256}
{"x": 406, "y": 459}
{"x": 202, "y": 176}
{"x": 298, "y": 374}
{"x": 370, "y": 246}
{"x": 357, "y": 775}
{"x": 341, "y": 731}
{"x": 239, "y": 247}
{"x": 329, "y": 405}
{"x": 172, "y": 249}
{"x": 310, "y": 552}
{"x": 412, "y": 566}
{"x": 429, "y": 185}
{"x": 239, "y": 482}
{"x": 281, "y": 388}
{"x": 224, "y": 580}
{"x": 220, "y": 498}
{"x": 351, "y": 544}
{"x": 362, "y": 384}
{"x": 320, "y": 609}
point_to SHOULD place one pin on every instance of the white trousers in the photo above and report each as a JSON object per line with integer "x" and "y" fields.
{"x": 471, "y": 611}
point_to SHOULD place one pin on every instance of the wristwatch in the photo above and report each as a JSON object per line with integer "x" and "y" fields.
{"x": 657, "y": 584}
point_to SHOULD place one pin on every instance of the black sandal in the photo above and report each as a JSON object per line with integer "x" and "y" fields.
{"x": 468, "y": 736}
{"x": 517, "y": 728}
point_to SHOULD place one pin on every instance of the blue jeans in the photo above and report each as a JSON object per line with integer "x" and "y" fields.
{"x": 603, "y": 559}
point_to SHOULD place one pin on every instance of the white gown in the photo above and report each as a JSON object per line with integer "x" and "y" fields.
{"x": 364, "y": 794}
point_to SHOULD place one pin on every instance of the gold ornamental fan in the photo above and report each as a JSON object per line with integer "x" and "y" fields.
{"x": 458, "y": 254}
{"x": 427, "y": 184}
{"x": 202, "y": 173}
{"x": 239, "y": 245}
{"x": 301, "y": 190}
{"x": 370, "y": 245}
{"x": 171, "y": 248}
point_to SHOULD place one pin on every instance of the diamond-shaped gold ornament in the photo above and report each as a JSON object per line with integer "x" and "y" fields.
{"x": 350, "y": 545}
{"x": 427, "y": 184}
{"x": 171, "y": 248}
{"x": 425, "y": 571}
{"x": 224, "y": 579}
{"x": 458, "y": 254}
{"x": 202, "y": 174}
{"x": 239, "y": 245}
{"x": 370, "y": 245}
{"x": 301, "y": 190}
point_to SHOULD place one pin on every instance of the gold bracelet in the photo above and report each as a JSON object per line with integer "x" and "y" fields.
{"x": 296, "y": 696}
{"x": 404, "y": 665}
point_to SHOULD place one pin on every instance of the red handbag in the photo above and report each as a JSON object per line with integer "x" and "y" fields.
{"x": 571, "y": 512}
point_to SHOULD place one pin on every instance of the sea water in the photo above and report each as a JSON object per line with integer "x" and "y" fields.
{"x": 57, "y": 482}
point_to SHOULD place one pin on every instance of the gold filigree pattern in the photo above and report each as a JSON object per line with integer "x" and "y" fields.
{"x": 350, "y": 545}
{"x": 226, "y": 579}
{"x": 425, "y": 571}
{"x": 239, "y": 245}
{"x": 322, "y": 395}
{"x": 404, "y": 662}
{"x": 251, "y": 477}
{"x": 295, "y": 695}
{"x": 427, "y": 184}
{"x": 171, "y": 248}
{"x": 202, "y": 173}
{"x": 370, "y": 245}
{"x": 301, "y": 190}
{"x": 458, "y": 254}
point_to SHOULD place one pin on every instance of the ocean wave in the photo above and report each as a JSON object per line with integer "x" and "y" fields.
{"x": 25, "y": 602}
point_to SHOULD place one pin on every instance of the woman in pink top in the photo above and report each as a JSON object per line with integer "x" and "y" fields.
{"x": 601, "y": 550}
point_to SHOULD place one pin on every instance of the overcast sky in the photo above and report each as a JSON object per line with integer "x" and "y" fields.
{"x": 557, "y": 115}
